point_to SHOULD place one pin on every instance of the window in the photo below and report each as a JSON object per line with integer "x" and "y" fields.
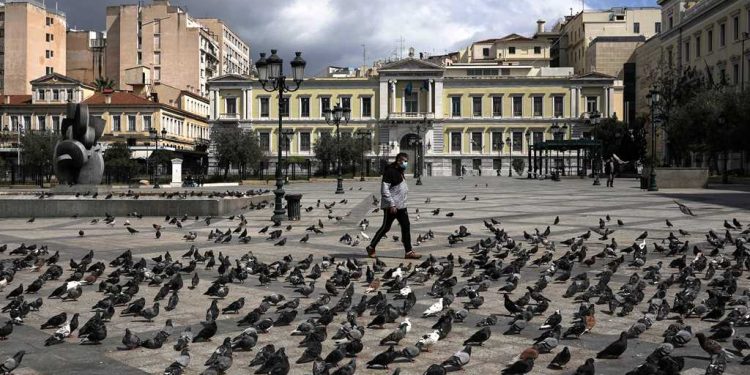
{"x": 157, "y": 58}
{"x": 497, "y": 141}
{"x": 697, "y": 46}
{"x": 657, "y": 27}
{"x": 512, "y": 50}
{"x": 49, "y": 37}
{"x": 157, "y": 42}
{"x": 722, "y": 35}
{"x": 157, "y": 74}
{"x": 265, "y": 141}
{"x": 557, "y": 106}
{"x": 157, "y": 26}
{"x": 231, "y": 106}
{"x": 736, "y": 73}
{"x": 636, "y": 27}
{"x": 537, "y": 50}
{"x": 723, "y": 75}
{"x": 456, "y": 106}
{"x": 710, "y": 41}
{"x": 367, "y": 106}
{"x": 41, "y": 122}
{"x": 517, "y": 141}
{"x": 411, "y": 102}
{"x": 304, "y": 107}
{"x": 26, "y": 123}
{"x": 55, "y": 94}
{"x": 325, "y": 103}
{"x": 56, "y": 124}
{"x": 139, "y": 57}
{"x": 146, "y": 123}
{"x": 537, "y": 106}
{"x": 476, "y": 106}
{"x": 49, "y": 21}
{"x": 49, "y": 53}
{"x": 455, "y": 141}
{"x": 346, "y": 102}
{"x": 284, "y": 107}
{"x": 538, "y": 137}
{"x": 485, "y": 52}
{"x": 265, "y": 108}
{"x": 69, "y": 94}
{"x": 518, "y": 106}
{"x": 476, "y": 141}
{"x": 116, "y": 123}
{"x": 592, "y": 104}
{"x": 304, "y": 142}
{"x": 40, "y": 94}
{"x": 131, "y": 123}
{"x": 670, "y": 22}
{"x": 736, "y": 28}
{"x": 687, "y": 51}
{"x": 49, "y": 70}
{"x": 14, "y": 123}
{"x": 497, "y": 106}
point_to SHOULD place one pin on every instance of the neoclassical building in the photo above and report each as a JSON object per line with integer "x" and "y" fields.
{"x": 478, "y": 115}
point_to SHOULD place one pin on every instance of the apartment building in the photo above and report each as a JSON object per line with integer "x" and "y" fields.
{"x": 32, "y": 44}
{"x": 162, "y": 38}
{"x": 235, "y": 53}
{"x": 86, "y": 60}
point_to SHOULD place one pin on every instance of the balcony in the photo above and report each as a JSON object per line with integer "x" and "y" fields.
{"x": 411, "y": 115}
{"x": 229, "y": 116}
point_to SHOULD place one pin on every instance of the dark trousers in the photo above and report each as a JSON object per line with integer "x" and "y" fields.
{"x": 611, "y": 180}
{"x": 403, "y": 221}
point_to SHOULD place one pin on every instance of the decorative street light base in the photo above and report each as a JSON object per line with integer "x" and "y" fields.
{"x": 419, "y": 180}
{"x": 362, "y": 178}
{"x": 278, "y": 209}
{"x": 596, "y": 180}
{"x": 339, "y": 185}
{"x": 652, "y": 182}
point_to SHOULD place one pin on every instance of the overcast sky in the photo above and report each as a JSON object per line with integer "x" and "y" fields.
{"x": 332, "y": 32}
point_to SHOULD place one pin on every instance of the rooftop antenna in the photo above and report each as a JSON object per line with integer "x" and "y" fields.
{"x": 364, "y": 55}
{"x": 401, "y": 48}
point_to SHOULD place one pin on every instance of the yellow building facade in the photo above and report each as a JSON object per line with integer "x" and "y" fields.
{"x": 466, "y": 117}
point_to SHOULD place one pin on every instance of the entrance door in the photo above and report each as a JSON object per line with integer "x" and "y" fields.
{"x": 408, "y": 145}
{"x": 456, "y": 167}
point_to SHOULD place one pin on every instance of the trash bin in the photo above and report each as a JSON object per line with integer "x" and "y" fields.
{"x": 644, "y": 182}
{"x": 293, "y": 206}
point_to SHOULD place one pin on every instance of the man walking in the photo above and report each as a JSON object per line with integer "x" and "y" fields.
{"x": 609, "y": 170}
{"x": 393, "y": 191}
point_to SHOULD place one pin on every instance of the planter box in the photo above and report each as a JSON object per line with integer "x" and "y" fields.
{"x": 680, "y": 178}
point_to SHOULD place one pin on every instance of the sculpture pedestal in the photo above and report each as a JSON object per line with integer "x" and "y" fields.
{"x": 176, "y": 173}
{"x": 72, "y": 189}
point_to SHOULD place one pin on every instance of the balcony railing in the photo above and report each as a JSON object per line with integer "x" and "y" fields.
{"x": 229, "y": 116}
{"x": 411, "y": 115}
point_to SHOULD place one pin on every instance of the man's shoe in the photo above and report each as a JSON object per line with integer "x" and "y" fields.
{"x": 412, "y": 255}
{"x": 370, "y": 251}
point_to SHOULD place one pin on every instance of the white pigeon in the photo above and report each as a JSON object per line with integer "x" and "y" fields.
{"x": 364, "y": 235}
{"x": 398, "y": 273}
{"x": 406, "y": 324}
{"x": 405, "y": 291}
{"x": 3, "y": 284}
{"x": 434, "y": 309}
{"x": 428, "y": 340}
{"x": 642, "y": 245}
{"x": 63, "y": 331}
{"x": 72, "y": 285}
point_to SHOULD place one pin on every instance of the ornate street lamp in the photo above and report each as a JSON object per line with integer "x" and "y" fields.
{"x": 528, "y": 146}
{"x": 499, "y": 146}
{"x": 287, "y": 145}
{"x": 335, "y": 116}
{"x": 363, "y": 135}
{"x": 595, "y": 119}
{"x": 509, "y": 142}
{"x": 155, "y": 136}
{"x": 272, "y": 79}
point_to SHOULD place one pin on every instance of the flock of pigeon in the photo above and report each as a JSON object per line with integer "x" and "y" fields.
{"x": 337, "y": 303}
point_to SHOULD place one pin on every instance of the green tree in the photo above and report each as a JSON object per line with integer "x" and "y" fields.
{"x": 325, "y": 150}
{"x": 37, "y": 149}
{"x": 103, "y": 83}
{"x": 235, "y": 148}
{"x": 118, "y": 162}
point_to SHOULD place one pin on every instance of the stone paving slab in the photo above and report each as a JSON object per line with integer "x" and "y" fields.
{"x": 519, "y": 204}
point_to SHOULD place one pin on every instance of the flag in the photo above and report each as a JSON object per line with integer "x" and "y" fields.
{"x": 409, "y": 88}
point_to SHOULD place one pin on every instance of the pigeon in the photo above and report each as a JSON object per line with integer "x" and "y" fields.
{"x": 684, "y": 209}
{"x": 520, "y": 367}
{"x": 587, "y": 368}
{"x": 479, "y": 337}
{"x": 12, "y": 363}
{"x": 560, "y": 360}
{"x": 459, "y": 359}
{"x": 615, "y": 349}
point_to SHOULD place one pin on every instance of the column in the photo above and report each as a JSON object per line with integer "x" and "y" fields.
{"x": 393, "y": 96}
{"x": 611, "y": 100}
{"x": 573, "y": 102}
{"x": 385, "y": 92}
{"x": 438, "y": 94}
{"x": 429, "y": 96}
{"x": 249, "y": 104}
{"x": 605, "y": 102}
{"x": 214, "y": 105}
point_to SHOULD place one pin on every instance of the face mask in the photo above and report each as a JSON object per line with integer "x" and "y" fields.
{"x": 404, "y": 164}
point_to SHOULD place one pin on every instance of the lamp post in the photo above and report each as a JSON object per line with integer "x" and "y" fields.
{"x": 272, "y": 79}
{"x": 528, "y": 146}
{"x": 420, "y": 157}
{"x": 595, "y": 118}
{"x": 745, "y": 36}
{"x": 334, "y": 116}
{"x": 155, "y": 136}
{"x": 363, "y": 134}
{"x": 287, "y": 145}
{"x": 653, "y": 96}
{"x": 509, "y": 142}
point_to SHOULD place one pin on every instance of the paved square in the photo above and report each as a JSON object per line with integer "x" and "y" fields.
{"x": 519, "y": 205}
